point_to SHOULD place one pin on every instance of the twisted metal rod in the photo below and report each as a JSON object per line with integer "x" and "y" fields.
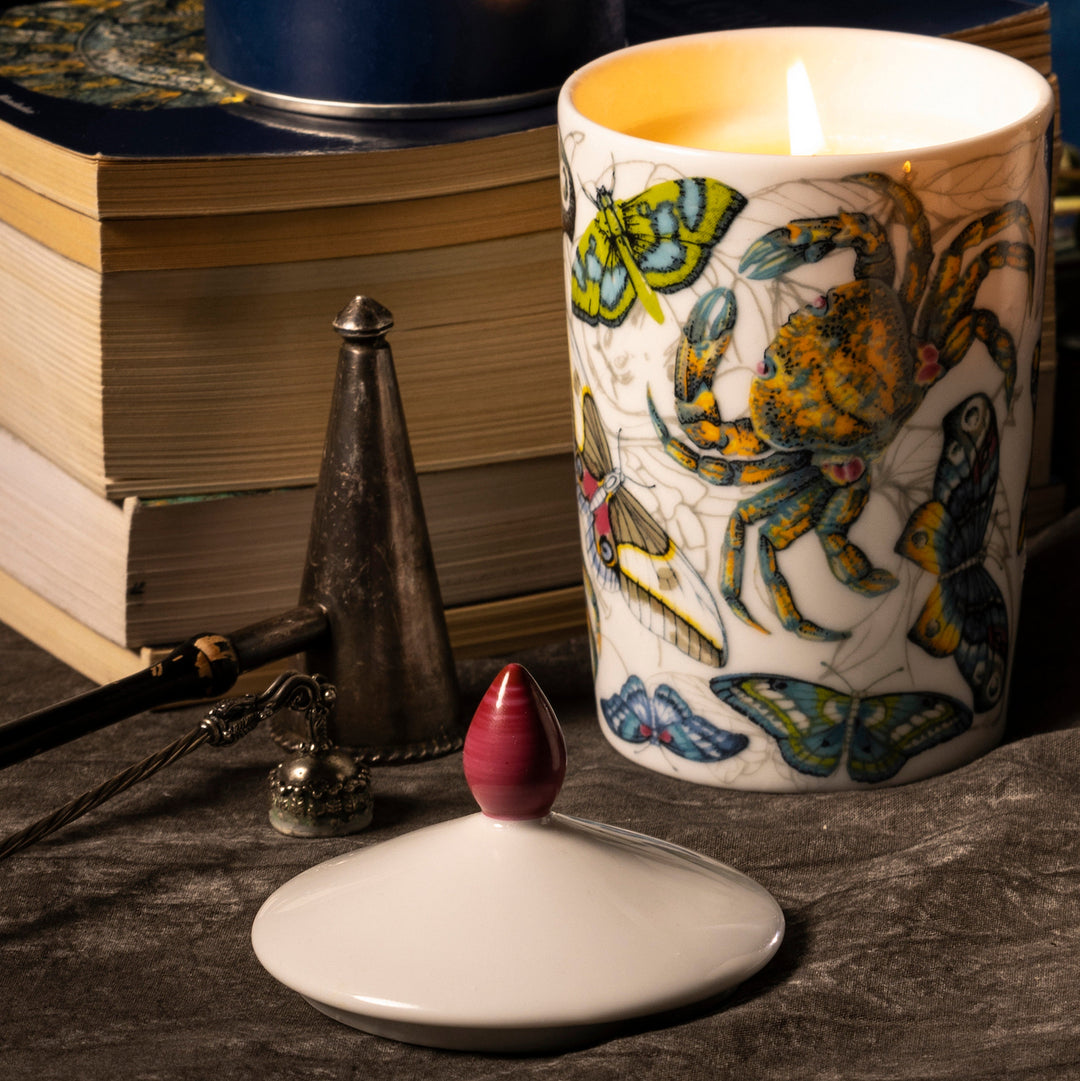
{"x": 79, "y": 806}
{"x": 225, "y": 723}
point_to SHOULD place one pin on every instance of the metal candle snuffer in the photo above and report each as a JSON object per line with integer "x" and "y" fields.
{"x": 369, "y": 621}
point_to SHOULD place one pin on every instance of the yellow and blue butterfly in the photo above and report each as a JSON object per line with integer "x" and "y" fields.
{"x": 628, "y": 549}
{"x": 964, "y": 615}
{"x": 656, "y": 242}
{"x": 818, "y": 727}
{"x": 666, "y": 721}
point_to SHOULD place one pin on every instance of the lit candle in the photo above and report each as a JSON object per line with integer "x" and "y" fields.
{"x": 795, "y": 127}
{"x": 804, "y": 125}
{"x": 750, "y": 93}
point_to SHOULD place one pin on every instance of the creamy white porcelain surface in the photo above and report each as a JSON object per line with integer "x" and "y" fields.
{"x": 722, "y": 496}
{"x": 495, "y": 935}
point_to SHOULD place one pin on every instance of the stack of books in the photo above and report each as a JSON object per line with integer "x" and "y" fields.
{"x": 168, "y": 281}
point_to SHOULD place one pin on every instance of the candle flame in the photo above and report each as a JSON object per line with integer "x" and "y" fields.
{"x": 804, "y": 126}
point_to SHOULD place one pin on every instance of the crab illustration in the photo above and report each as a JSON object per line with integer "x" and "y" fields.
{"x": 838, "y": 381}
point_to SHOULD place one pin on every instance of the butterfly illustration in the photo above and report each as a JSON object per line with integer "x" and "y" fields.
{"x": 628, "y": 549}
{"x": 657, "y": 242}
{"x": 665, "y": 720}
{"x": 964, "y": 616}
{"x": 817, "y": 727}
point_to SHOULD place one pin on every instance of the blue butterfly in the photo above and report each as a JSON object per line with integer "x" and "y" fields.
{"x": 964, "y": 616}
{"x": 657, "y": 242}
{"x": 667, "y": 721}
{"x": 816, "y": 727}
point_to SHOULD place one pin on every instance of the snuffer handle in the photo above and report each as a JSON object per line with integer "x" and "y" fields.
{"x": 203, "y": 667}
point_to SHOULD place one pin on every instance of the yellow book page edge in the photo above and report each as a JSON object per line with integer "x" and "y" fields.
{"x": 476, "y": 630}
{"x": 62, "y": 635}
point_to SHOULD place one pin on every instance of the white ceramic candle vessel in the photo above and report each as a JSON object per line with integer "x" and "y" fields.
{"x": 517, "y": 929}
{"x": 804, "y": 387}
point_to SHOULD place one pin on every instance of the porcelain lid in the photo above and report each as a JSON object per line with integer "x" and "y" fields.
{"x": 515, "y": 928}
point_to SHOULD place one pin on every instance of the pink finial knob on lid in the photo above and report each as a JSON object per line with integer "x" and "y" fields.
{"x": 514, "y": 757}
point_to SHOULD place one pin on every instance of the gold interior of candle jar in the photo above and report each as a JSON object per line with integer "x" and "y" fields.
{"x": 874, "y": 90}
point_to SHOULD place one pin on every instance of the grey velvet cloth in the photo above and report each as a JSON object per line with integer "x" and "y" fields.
{"x": 933, "y": 930}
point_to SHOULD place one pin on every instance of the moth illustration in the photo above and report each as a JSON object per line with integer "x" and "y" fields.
{"x": 656, "y": 242}
{"x": 665, "y": 720}
{"x": 964, "y": 616}
{"x": 817, "y": 727}
{"x": 628, "y": 549}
